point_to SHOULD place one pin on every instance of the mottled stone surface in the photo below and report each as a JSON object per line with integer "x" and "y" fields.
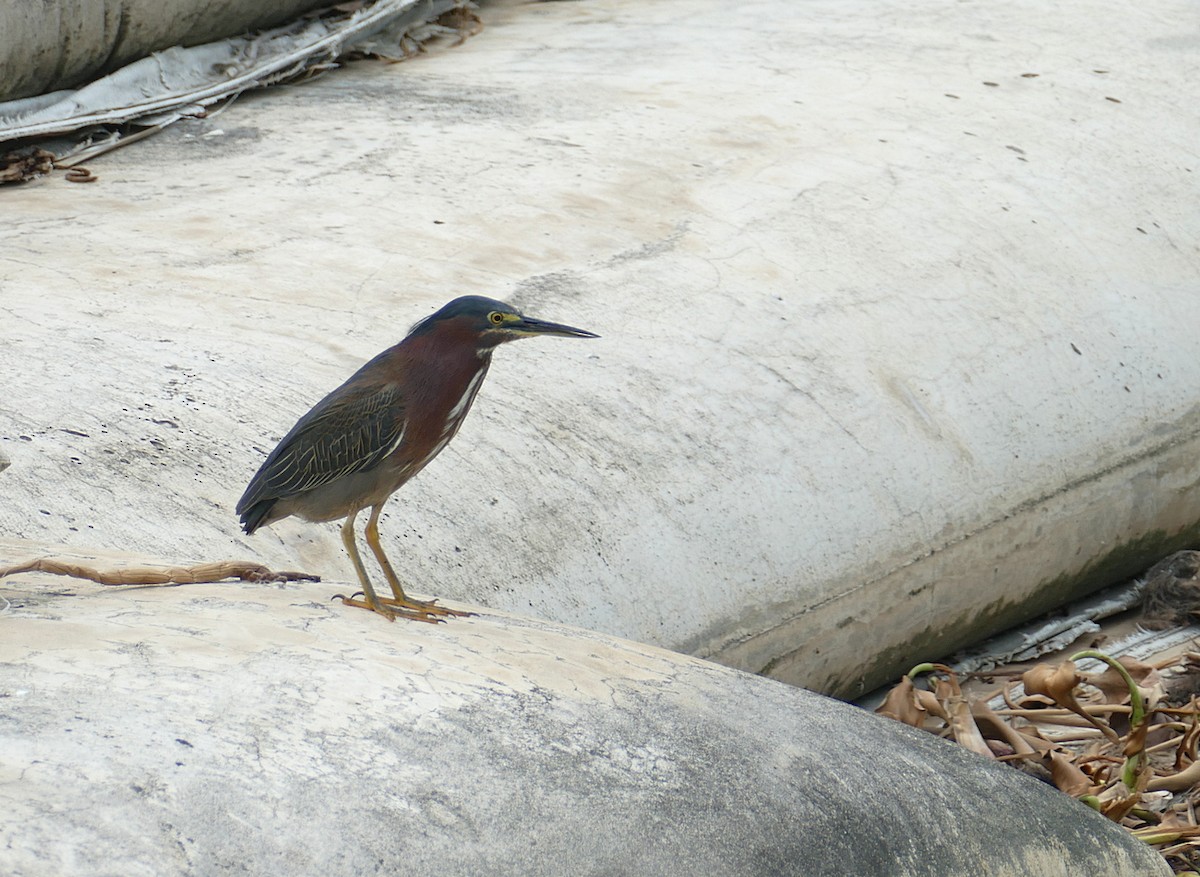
{"x": 242, "y": 729}
{"x": 898, "y": 342}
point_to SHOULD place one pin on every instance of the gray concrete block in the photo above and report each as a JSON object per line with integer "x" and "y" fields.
{"x": 891, "y": 357}
{"x": 60, "y": 44}
{"x": 220, "y": 729}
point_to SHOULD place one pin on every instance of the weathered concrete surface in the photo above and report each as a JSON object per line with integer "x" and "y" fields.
{"x": 218, "y": 729}
{"x": 891, "y": 355}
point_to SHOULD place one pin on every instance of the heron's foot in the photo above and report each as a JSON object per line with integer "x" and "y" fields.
{"x": 388, "y": 612}
{"x": 426, "y": 607}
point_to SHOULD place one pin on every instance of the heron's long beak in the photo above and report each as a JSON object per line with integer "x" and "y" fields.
{"x": 532, "y": 326}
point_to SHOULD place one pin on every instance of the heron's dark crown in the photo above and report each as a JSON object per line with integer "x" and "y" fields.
{"x": 474, "y": 307}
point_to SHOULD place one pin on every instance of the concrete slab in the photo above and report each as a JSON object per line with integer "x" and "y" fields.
{"x": 897, "y": 307}
{"x": 62, "y": 43}
{"x": 214, "y": 729}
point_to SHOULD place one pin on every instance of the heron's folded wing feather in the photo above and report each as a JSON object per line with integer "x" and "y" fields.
{"x": 351, "y": 430}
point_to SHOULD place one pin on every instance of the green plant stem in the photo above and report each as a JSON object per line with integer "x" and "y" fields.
{"x": 1137, "y": 711}
{"x": 918, "y": 670}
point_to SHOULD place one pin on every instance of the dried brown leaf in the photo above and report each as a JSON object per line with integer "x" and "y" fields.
{"x": 1153, "y": 693}
{"x": 1058, "y": 684}
{"x": 1177, "y": 782}
{"x": 1067, "y": 775}
{"x": 1117, "y": 800}
{"x": 1135, "y": 741}
{"x": 929, "y": 702}
{"x": 1113, "y": 686}
{"x": 1026, "y": 741}
{"x": 999, "y": 749}
{"x": 1173, "y": 821}
{"x": 962, "y": 724}
{"x": 901, "y": 704}
{"x": 1187, "y": 751}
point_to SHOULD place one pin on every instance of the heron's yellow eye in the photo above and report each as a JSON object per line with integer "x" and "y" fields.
{"x": 496, "y": 317}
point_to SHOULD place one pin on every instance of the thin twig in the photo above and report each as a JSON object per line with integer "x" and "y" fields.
{"x": 1096, "y": 709}
{"x": 146, "y": 575}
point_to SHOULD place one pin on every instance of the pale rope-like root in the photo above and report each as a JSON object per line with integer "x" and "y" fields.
{"x": 145, "y": 575}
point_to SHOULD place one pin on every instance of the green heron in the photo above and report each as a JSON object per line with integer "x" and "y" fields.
{"x": 368, "y": 437}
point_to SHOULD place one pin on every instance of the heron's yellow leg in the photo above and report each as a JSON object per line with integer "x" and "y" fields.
{"x": 369, "y": 601}
{"x": 400, "y": 600}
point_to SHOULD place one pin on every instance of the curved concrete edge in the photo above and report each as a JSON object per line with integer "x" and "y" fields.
{"x": 860, "y": 300}
{"x": 60, "y": 43}
{"x": 204, "y": 728}
{"x": 980, "y": 582}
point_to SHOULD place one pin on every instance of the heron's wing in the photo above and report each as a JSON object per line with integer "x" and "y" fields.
{"x": 349, "y": 431}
